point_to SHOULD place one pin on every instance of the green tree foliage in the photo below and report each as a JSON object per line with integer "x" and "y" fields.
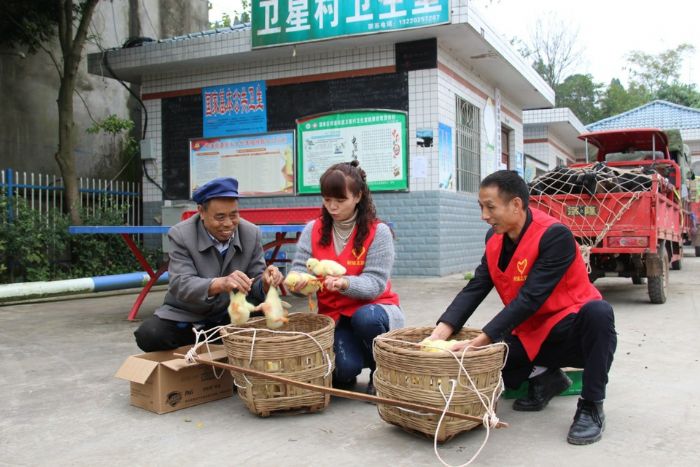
{"x": 580, "y": 94}
{"x": 680, "y": 93}
{"x": 27, "y": 24}
{"x": 124, "y": 146}
{"x": 36, "y": 246}
{"x": 553, "y": 51}
{"x": 652, "y": 77}
{"x": 659, "y": 75}
{"x": 653, "y": 72}
{"x": 616, "y": 99}
{"x": 34, "y": 22}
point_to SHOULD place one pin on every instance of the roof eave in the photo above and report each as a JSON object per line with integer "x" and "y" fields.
{"x": 503, "y": 67}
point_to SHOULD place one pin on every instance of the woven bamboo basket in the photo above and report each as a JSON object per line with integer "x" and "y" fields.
{"x": 404, "y": 372}
{"x": 294, "y": 356}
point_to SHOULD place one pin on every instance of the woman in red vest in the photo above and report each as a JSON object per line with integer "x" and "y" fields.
{"x": 552, "y": 317}
{"x": 361, "y": 302}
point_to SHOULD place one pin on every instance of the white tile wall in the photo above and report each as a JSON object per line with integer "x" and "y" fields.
{"x": 542, "y": 152}
{"x": 547, "y": 152}
{"x": 423, "y": 105}
{"x": 154, "y": 167}
{"x": 449, "y": 88}
{"x": 459, "y": 11}
{"x": 560, "y": 149}
{"x": 559, "y": 114}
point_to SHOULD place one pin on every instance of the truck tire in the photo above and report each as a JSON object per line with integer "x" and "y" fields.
{"x": 678, "y": 265}
{"x": 658, "y": 285}
{"x": 637, "y": 278}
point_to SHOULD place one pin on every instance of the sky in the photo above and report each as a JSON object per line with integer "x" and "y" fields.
{"x": 607, "y": 29}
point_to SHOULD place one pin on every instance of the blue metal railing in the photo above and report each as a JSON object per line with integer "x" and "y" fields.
{"x": 48, "y": 193}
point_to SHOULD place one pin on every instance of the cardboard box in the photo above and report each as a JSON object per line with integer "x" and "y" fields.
{"x": 162, "y": 382}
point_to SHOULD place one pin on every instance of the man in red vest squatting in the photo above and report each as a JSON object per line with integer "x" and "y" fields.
{"x": 552, "y": 317}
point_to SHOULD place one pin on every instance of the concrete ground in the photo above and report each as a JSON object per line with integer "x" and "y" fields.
{"x": 61, "y": 404}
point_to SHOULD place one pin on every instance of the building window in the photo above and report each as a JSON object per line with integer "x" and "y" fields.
{"x": 560, "y": 162}
{"x": 468, "y": 147}
{"x": 505, "y": 147}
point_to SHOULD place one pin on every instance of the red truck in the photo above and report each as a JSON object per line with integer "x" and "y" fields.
{"x": 694, "y": 209}
{"x": 625, "y": 209}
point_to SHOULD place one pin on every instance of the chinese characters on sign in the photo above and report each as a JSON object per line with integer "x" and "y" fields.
{"x": 234, "y": 109}
{"x": 377, "y": 138}
{"x": 263, "y": 164}
{"x": 277, "y": 22}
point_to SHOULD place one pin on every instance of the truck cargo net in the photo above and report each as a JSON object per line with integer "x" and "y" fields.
{"x": 591, "y": 217}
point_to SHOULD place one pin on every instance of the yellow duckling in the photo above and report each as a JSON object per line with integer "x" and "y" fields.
{"x": 239, "y": 309}
{"x": 313, "y": 284}
{"x": 274, "y": 309}
{"x": 325, "y": 267}
{"x": 436, "y": 345}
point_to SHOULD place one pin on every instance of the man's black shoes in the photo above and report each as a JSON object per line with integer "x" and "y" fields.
{"x": 345, "y": 385}
{"x": 371, "y": 390}
{"x": 541, "y": 389}
{"x": 589, "y": 423}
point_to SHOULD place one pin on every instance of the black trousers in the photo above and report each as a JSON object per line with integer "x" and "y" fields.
{"x": 586, "y": 339}
{"x": 156, "y": 333}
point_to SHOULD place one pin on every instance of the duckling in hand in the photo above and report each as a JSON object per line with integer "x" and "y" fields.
{"x": 313, "y": 284}
{"x": 325, "y": 267}
{"x": 239, "y": 309}
{"x": 274, "y": 309}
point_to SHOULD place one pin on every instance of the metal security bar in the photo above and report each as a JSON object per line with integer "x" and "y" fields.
{"x": 468, "y": 145}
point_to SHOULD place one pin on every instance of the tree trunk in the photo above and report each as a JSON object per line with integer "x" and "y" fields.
{"x": 72, "y": 49}
{"x": 65, "y": 157}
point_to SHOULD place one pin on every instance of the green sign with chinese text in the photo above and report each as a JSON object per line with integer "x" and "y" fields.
{"x": 376, "y": 138}
{"x": 278, "y": 22}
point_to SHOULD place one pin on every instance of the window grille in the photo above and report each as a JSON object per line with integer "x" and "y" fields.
{"x": 468, "y": 147}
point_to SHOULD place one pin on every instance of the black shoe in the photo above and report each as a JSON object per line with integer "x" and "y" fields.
{"x": 346, "y": 385}
{"x": 541, "y": 389}
{"x": 589, "y": 423}
{"x": 371, "y": 390}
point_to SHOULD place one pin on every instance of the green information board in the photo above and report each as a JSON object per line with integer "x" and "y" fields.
{"x": 278, "y": 22}
{"x": 378, "y": 139}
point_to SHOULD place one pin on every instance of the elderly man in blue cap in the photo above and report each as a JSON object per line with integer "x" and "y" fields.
{"x": 211, "y": 254}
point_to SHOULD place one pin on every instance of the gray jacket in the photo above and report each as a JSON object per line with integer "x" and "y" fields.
{"x": 195, "y": 261}
{"x": 375, "y": 274}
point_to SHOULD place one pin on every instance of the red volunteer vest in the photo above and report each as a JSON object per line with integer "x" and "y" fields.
{"x": 335, "y": 304}
{"x": 572, "y": 292}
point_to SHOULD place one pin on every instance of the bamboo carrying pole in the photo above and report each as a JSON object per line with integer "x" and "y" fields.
{"x": 340, "y": 392}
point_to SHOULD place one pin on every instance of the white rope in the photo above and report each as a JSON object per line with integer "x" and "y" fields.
{"x": 192, "y": 354}
{"x": 489, "y": 420}
{"x": 209, "y": 337}
{"x": 586, "y": 254}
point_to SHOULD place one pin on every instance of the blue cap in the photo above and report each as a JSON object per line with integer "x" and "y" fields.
{"x": 223, "y": 187}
